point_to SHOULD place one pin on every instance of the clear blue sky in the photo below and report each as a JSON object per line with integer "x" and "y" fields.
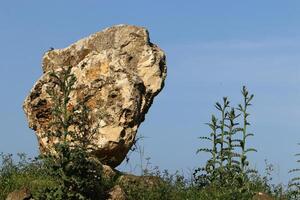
{"x": 212, "y": 47}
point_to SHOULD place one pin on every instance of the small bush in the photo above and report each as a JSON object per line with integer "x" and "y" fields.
{"x": 27, "y": 173}
{"x": 70, "y": 161}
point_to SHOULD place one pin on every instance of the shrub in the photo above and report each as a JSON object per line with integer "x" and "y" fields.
{"x": 26, "y": 172}
{"x": 70, "y": 161}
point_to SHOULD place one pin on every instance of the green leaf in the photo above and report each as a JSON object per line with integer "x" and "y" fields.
{"x": 218, "y": 106}
{"x": 204, "y": 150}
{"x": 205, "y": 138}
{"x": 249, "y": 134}
{"x": 251, "y": 149}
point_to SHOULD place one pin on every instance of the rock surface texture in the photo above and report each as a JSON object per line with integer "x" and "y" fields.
{"x": 22, "y": 194}
{"x": 117, "y": 193}
{"x": 119, "y": 71}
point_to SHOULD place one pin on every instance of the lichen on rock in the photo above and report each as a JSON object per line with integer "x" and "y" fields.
{"x": 119, "y": 71}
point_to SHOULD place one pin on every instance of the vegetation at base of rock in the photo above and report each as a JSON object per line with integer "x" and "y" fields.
{"x": 29, "y": 173}
{"x": 153, "y": 185}
{"x": 175, "y": 187}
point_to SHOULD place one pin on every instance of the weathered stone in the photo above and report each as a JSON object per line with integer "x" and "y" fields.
{"x": 262, "y": 196}
{"x": 22, "y": 194}
{"x": 128, "y": 180}
{"x": 109, "y": 173}
{"x": 120, "y": 72}
{"x": 116, "y": 193}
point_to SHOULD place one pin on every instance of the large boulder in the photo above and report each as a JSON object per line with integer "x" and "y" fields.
{"x": 120, "y": 72}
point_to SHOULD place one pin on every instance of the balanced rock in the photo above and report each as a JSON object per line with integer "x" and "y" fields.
{"x": 119, "y": 71}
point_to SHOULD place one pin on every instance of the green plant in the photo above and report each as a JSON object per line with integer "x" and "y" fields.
{"x": 228, "y": 164}
{"x": 294, "y": 183}
{"x": 161, "y": 185}
{"x": 70, "y": 160}
{"x": 25, "y": 172}
{"x": 243, "y": 108}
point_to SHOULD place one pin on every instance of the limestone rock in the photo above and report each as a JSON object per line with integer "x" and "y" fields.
{"x": 109, "y": 173}
{"x": 120, "y": 72}
{"x": 117, "y": 193}
{"x": 262, "y": 196}
{"x": 22, "y": 194}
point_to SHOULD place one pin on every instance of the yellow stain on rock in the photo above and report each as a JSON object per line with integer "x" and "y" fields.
{"x": 94, "y": 73}
{"x": 104, "y": 67}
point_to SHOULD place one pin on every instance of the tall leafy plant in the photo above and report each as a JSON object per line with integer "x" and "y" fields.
{"x": 70, "y": 160}
{"x": 228, "y": 162}
{"x": 243, "y": 108}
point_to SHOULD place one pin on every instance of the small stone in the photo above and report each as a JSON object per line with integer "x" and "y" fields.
{"x": 22, "y": 194}
{"x": 262, "y": 196}
{"x": 117, "y": 193}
